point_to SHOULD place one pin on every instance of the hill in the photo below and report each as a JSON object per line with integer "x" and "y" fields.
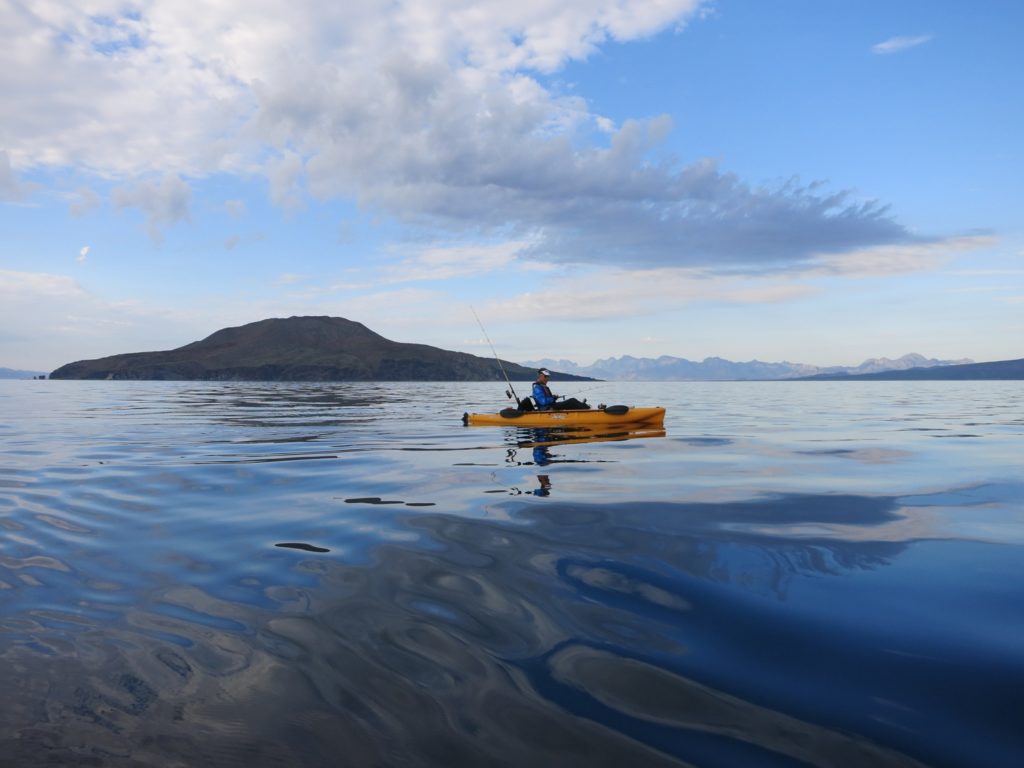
{"x": 1005, "y": 370}
{"x": 299, "y": 349}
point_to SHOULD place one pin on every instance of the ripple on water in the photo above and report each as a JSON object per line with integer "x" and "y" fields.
{"x": 223, "y": 574}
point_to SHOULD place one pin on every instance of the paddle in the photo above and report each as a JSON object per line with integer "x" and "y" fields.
{"x": 611, "y": 410}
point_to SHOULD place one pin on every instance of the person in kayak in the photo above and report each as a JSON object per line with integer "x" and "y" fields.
{"x": 546, "y": 401}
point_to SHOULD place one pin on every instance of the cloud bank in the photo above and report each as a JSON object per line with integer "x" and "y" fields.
{"x": 431, "y": 111}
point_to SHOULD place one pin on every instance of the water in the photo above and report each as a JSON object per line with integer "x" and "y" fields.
{"x": 825, "y": 574}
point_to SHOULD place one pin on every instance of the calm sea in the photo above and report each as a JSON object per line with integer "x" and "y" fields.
{"x": 824, "y": 574}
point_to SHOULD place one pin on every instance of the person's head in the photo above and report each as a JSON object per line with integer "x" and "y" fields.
{"x": 543, "y": 375}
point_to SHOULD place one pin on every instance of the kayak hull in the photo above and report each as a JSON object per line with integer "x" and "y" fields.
{"x": 592, "y": 417}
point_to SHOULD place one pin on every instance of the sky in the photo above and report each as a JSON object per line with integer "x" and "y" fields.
{"x": 815, "y": 181}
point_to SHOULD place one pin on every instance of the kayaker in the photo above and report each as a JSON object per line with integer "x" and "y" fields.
{"x": 546, "y": 401}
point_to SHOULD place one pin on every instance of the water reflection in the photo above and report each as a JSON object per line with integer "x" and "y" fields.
{"x": 541, "y": 443}
{"x": 566, "y": 634}
{"x": 529, "y": 438}
{"x": 656, "y": 602}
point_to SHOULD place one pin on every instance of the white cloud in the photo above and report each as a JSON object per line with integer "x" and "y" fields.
{"x": 430, "y": 111}
{"x": 899, "y": 43}
{"x": 164, "y": 203}
{"x": 82, "y": 255}
{"x": 607, "y": 293}
{"x": 889, "y": 260}
{"x": 29, "y": 286}
{"x": 85, "y": 201}
{"x": 158, "y": 87}
{"x": 987, "y": 272}
{"x": 12, "y": 189}
{"x": 286, "y": 175}
{"x": 612, "y": 292}
{"x": 446, "y": 262}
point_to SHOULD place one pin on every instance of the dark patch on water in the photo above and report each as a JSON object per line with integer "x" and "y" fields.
{"x": 704, "y": 442}
{"x": 302, "y": 546}
{"x": 379, "y": 500}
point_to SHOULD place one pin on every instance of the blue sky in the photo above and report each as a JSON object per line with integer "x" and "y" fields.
{"x": 818, "y": 182}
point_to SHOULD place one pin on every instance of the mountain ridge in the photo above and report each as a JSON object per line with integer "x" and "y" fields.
{"x": 997, "y": 370}
{"x": 668, "y": 368}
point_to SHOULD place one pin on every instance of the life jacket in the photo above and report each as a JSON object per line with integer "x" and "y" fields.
{"x": 545, "y": 399}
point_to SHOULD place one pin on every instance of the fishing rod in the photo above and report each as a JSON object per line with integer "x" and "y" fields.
{"x": 500, "y": 366}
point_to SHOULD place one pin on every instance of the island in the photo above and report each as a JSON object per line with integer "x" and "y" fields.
{"x": 300, "y": 349}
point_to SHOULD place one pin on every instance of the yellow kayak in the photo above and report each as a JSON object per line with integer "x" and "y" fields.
{"x": 613, "y": 414}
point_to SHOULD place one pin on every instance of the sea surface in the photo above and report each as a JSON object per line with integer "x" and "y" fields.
{"x": 790, "y": 573}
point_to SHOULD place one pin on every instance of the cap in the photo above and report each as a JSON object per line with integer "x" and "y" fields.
{"x": 544, "y": 372}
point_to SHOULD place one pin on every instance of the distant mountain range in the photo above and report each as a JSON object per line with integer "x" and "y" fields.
{"x": 298, "y": 349}
{"x": 11, "y": 373}
{"x": 666, "y": 368}
{"x": 1001, "y": 370}
{"x": 336, "y": 349}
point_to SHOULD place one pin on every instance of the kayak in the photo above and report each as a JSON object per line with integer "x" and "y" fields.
{"x": 613, "y": 414}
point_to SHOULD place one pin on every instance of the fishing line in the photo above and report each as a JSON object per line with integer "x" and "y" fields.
{"x": 590, "y": 389}
{"x": 500, "y": 366}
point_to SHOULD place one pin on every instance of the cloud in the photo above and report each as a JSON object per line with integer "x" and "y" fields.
{"x": 987, "y": 272}
{"x": 700, "y": 216}
{"x": 82, "y": 255}
{"x": 432, "y": 112}
{"x": 49, "y": 319}
{"x": 447, "y": 262}
{"x": 236, "y": 209}
{"x": 12, "y": 189}
{"x": 603, "y": 293}
{"x": 899, "y": 43}
{"x": 887, "y": 260}
{"x": 85, "y": 201}
{"x": 29, "y": 286}
{"x": 164, "y": 203}
{"x": 285, "y": 174}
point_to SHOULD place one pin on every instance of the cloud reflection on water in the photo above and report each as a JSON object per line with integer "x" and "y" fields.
{"x": 568, "y": 634}
{"x": 666, "y": 604}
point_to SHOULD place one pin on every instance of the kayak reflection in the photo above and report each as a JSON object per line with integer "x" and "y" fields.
{"x": 541, "y": 441}
{"x": 530, "y": 438}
